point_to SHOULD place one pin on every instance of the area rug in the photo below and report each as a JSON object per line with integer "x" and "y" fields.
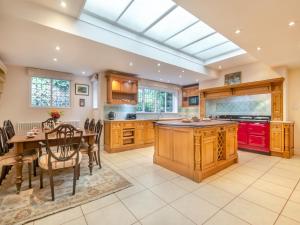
{"x": 36, "y": 203}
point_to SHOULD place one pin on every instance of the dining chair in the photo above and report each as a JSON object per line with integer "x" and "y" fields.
{"x": 9, "y": 156}
{"x": 49, "y": 123}
{"x": 92, "y": 125}
{"x": 65, "y": 155}
{"x": 86, "y": 124}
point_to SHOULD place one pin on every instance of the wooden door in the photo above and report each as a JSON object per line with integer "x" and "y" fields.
{"x": 276, "y": 137}
{"x": 209, "y": 149}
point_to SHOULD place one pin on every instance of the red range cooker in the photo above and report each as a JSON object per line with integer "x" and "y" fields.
{"x": 253, "y": 132}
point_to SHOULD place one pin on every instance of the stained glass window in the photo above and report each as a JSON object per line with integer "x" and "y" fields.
{"x": 46, "y": 92}
{"x": 156, "y": 101}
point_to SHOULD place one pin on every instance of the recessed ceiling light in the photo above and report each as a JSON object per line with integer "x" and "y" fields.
{"x": 57, "y": 48}
{"x": 63, "y": 4}
{"x": 258, "y": 48}
{"x": 183, "y": 71}
{"x": 158, "y": 64}
{"x": 55, "y": 59}
{"x": 197, "y": 80}
{"x": 130, "y": 63}
{"x": 160, "y": 79}
{"x": 220, "y": 67}
{"x": 292, "y": 23}
{"x": 168, "y": 81}
{"x": 180, "y": 76}
{"x": 237, "y": 31}
{"x": 158, "y": 71}
{"x": 83, "y": 72}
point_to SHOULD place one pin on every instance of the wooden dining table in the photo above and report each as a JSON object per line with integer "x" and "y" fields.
{"x": 22, "y": 143}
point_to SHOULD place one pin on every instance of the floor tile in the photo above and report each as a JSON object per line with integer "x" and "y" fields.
{"x": 130, "y": 191}
{"x": 264, "y": 199}
{"x": 98, "y": 204}
{"x": 251, "y": 212}
{"x": 224, "y": 218}
{"x": 282, "y": 181}
{"x": 214, "y": 195}
{"x": 135, "y": 171}
{"x": 111, "y": 215}
{"x": 295, "y": 197}
{"x": 61, "y": 217}
{"x": 143, "y": 203}
{"x": 166, "y": 216}
{"x": 78, "y": 221}
{"x": 284, "y": 173}
{"x": 282, "y": 220}
{"x": 150, "y": 179}
{"x": 248, "y": 171}
{"x": 240, "y": 178}
{"x": 195, "y": 208}
{"x": 167, "y": 174}
{"x": 228, "y": 185}
{"x": 274, "y": 189}
{"x": 168, "y": 191}
{"x": 186, "y": 183}
{"x": 292, "y": 210}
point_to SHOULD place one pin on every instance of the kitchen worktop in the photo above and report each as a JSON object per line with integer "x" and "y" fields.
{"x": 124, "y": 120}
{"x": 208, "y": 123}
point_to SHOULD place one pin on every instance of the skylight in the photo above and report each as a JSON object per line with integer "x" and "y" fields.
{"x": 165, "y": 23}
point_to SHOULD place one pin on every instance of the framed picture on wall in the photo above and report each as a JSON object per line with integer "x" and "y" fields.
{"x": 233, "y": 78}
{"x": 81, "y": 89}
{"x": 82, "y": 102}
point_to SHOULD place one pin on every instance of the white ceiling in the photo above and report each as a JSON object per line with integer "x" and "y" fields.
{"x": 29, "y": 44}
{"x": 262, "y": 23}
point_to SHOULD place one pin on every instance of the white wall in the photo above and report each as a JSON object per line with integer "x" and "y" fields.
{"x": 15, "y": 100}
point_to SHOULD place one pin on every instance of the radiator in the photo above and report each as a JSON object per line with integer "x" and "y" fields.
{"x": 23, "y": 127}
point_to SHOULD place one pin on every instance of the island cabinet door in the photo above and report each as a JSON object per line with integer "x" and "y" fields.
{"x": 139, "y": 133}
{"x": 231, "y": 142}
{"x": 149, "y": 132}
{"x": 209, "y": 149}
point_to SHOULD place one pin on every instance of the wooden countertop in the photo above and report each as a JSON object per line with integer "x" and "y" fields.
{"x": 195, "y": 124}
{"x": 141, "y": 120}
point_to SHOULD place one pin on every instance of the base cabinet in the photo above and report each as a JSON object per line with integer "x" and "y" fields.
{"x": 126, "y": 135}
{"x": 282, "y": 139}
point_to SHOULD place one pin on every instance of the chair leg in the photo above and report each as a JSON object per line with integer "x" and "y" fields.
{"x": 3, "y": 173}
{"x": 75, "y": 178}
{"x": 41, "y": 178}
{"x": 78, "y": 172}
{"x": 29, "y": 174}
{"x": 51, "y": 183}
{"x": 34, "y": 167}
{"x": 99, "y": 159}
{"x": 95, "y": 157}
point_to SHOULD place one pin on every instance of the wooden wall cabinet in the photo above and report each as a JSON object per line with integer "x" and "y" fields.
{"x": 282, "y": 139}
{"x": 121, "y": 89}
{"x": 189, "y": 91}
{"x": 126, "y": 135}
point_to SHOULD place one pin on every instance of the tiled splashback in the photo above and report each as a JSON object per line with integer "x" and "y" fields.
{"x": 189, "y": 111}
{"x": 240, "y": 105}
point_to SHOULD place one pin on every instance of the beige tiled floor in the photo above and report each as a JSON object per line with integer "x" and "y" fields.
{"x": 258, "y": 190}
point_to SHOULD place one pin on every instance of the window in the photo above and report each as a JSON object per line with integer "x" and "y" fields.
{"x": 46, "y": 92}
{"x": 155, "y": 101}
{"x": 95, "y": 94}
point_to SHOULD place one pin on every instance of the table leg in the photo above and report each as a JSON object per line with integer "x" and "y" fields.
{"x": 90, "y": 153}
{"x": 19, "y": 167}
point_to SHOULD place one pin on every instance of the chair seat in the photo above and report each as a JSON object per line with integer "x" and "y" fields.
{"x": 10, "y": 157}
{"x": 43, "y": 162}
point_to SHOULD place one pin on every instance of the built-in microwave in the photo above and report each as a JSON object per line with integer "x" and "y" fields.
{"x": 193, "y": 100}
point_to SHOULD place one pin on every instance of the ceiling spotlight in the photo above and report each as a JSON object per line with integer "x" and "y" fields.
{"x": 237, "y": 31}
{"x": 258, "y": 48}
{"x": 158, "y": 64}
{"x": 197, "y": 80}
{"x": 180, "y": 76}
{"x": 183, "y": 71}
{"x": 220, "y": 67}
{"x": 55, "y": 59}
{"x": 160, "y": 79}
{"x": 292, "y": 23}
{"x": 83, "y": 72}
{"x": 57, "y": 48}
{"x": 130, "y": 63}
{"x": 158, "y": 71}
{"x": 168, "y": 81}
{"x": 63, "y": 4}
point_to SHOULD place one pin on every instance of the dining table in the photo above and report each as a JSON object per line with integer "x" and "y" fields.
{"x": 23, "y": 143}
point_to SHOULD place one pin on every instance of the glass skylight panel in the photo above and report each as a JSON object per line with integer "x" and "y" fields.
{"x": 174, "y": 22}
{"x": 219, "y": 50}
{"x": 205, "y": 43}
{"x": 142, "y": 13}
{"x": 109, "y": 9}
{"x": 191, "y": 34}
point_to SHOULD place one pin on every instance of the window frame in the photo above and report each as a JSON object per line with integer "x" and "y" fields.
{"x": 51, "y": 106}
{"x": 175, "y": 101}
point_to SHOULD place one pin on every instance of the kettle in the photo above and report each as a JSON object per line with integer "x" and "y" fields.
{"x": 111, "y": 115}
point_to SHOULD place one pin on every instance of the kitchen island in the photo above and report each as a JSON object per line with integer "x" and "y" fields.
{"x": 195, "y": 150}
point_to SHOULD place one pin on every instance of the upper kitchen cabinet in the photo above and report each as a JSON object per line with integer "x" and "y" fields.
{"x": 190, "y": 95}
{"x": 121, "y": 88}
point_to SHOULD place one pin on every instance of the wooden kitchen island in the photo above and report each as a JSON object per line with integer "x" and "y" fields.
{"x": 195, "y": 150}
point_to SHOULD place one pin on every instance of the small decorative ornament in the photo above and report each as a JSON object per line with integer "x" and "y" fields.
{"x": 55, "y": 114}
{"x": 82, "y": 102}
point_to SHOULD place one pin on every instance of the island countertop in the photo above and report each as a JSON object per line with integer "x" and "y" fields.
{"x": 207, "y": 123}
